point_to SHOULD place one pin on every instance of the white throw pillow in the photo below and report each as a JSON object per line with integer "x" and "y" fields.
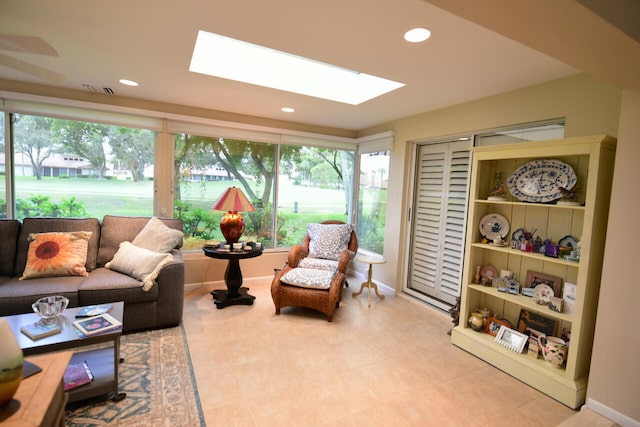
{"x": 328, "y": 240}
{"x": 139, "y": 263}
{"x": 157, "y": 237}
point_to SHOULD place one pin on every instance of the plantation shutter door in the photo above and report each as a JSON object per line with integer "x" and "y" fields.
{"x": 438, "y": 228}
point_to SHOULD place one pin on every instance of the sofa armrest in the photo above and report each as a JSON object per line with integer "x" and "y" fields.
{"x": 170, "y": 283}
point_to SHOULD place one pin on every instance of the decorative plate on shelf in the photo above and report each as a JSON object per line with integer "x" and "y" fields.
{"x": 569, "y": 242}
{"x": 539, "y": 181}
{"x": 493, "y": 226}
{"x": 489, "y": 271}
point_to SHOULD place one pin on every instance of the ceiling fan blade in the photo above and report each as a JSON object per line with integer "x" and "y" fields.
{"x": 26, "y": 44}
{"x": 31, "y": 69}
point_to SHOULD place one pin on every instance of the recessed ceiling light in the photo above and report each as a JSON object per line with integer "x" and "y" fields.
{"x": 288, "y": 109}
{"x": 224, "y": 57}
{"x": 128, "y": 82}
{"x": 417, "y": 35}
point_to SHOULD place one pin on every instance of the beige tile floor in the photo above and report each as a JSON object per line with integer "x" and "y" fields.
{"x": 388, "y": 365}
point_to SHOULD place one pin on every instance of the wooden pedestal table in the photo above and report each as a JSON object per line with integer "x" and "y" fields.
{"x": 369, "y": 283}
{"x": 235, "y": 293}
{"x": 40, "y": 399}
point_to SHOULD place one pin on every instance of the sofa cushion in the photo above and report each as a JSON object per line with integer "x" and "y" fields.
{"x": 157, "y": 237}
{"x": 328, "y": 241}
{"x": 117, "y": 229}
{"x": 308, "y": 278}
{"x": 104, "y": 285}
{"x": 46, "y": 225}
{"x": 139, "y": 263}
{"x": 18, "y": 295}
{"x": 9, "y": 230}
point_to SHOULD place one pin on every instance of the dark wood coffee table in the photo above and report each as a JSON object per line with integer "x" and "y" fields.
{"x": 103, "y": 362}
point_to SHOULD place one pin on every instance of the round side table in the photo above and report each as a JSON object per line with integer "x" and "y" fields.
{"x": 369, "y": 283}
{"x": 235, "y": 294}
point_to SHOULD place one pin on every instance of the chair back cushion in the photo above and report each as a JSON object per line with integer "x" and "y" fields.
{"x": 328, "y": 241}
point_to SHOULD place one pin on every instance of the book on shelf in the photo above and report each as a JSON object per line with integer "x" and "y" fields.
{"x": 40, "y": 329}
{"x": 97, "y": 324}
{"x": 93, "y": 310}
{"x": 77, "y": 374}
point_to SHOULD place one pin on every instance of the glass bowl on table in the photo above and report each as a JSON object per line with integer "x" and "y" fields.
{"x": 50, "y": 307}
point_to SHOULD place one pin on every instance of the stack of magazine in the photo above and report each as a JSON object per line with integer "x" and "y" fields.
{"x": 97, "y": 324}
{"x": 77, "y": 374}
{"x": 40, "y": 329}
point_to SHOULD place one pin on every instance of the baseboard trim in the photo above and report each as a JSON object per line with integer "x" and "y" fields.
{"x": 219, "y": 284}
{"x": 611, "y": 414}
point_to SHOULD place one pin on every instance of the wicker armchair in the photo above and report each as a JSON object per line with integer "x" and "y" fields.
{"x": 318, "y": 277}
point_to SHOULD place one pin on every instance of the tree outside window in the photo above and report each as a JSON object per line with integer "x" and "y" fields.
{"x": 70, "y": 168}
{"x": 313, "y": 184}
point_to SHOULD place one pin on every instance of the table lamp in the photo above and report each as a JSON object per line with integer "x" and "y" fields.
{"x": 232, "y": 224}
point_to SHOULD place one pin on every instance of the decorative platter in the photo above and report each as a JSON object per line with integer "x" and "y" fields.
{"x": 539, "y": 181}
{"x": 493, "y": 226}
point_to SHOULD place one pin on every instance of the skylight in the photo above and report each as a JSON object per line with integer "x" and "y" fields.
{"x": 224, "y": 57}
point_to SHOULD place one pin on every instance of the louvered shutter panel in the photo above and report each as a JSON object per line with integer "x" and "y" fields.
{"x": 440, "y": 205}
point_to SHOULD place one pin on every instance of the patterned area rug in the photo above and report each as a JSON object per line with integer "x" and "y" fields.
{"x": 158, "y": 378}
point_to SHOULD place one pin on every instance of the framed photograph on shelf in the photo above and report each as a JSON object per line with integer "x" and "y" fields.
{"x": 511, "y": 339}
{"x": 536, "y": 322}
{"x": 492, "y": 326}
{"x": 554, "y": 282}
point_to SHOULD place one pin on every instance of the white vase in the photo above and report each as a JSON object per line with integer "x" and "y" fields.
{"x": 11, "y": 361}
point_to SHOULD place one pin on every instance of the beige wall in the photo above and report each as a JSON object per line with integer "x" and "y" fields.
{"x": 615, "y": 374}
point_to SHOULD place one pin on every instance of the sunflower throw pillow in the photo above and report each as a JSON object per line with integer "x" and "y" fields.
{"x": 57, "y": 254}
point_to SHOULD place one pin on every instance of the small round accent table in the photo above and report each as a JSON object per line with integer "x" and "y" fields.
{"x": 235, "y": 293}
{"x": 369, "y": 283}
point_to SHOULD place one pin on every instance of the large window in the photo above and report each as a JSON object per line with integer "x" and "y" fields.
{"x": 312, "y": 184}
{"x": 315, "y": 184}
{"x": 372, "y": 202}
{"x": 69, "y": 168}
{"x": 67, "y": 161}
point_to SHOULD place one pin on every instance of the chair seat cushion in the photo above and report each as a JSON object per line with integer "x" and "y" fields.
{"x": 309, "y": 278}
{"x": 318, "y": 264}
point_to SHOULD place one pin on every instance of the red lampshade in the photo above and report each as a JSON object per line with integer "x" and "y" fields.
{"x": 233, "y": 200}
{"x": 232, "y": 224}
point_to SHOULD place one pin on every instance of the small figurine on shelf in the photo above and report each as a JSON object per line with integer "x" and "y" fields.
{"x": 569, "y": 197}
{"x": 497, "y": 192}
{"x": 477, "y": 277}
{"x": 537, "y": 244}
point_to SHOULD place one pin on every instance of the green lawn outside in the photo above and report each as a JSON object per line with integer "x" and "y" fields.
{"x": 297, "y": 205}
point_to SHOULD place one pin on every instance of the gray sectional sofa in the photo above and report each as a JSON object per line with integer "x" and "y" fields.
{"x": 160, "y": 306}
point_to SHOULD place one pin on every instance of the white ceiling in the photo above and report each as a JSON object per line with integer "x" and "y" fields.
{"x": 100, "y": 42}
